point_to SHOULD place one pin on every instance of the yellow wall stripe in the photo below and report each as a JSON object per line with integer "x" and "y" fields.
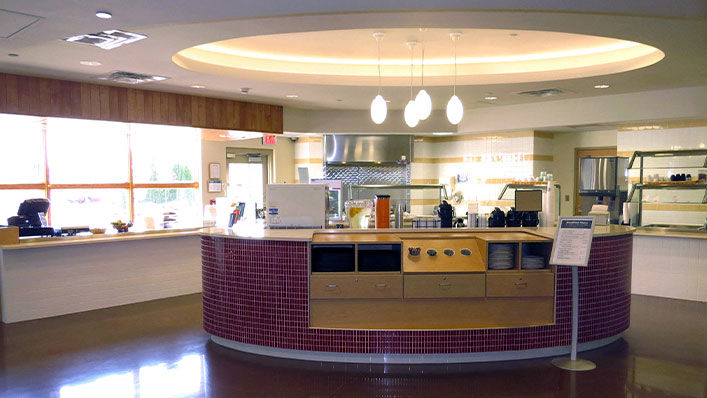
{"x": 309, "y": 161}
{"x": 675, "y": 206}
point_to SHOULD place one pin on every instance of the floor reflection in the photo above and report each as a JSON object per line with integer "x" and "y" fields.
{"x": 183, "y": 378}
{"x": 159, "y": 350}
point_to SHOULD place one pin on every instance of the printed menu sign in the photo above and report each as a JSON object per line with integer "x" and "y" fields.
{"x": 573, "y": 240}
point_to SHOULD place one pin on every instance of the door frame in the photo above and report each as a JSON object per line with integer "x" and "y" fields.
{"x": 268, "y": 163}
{"x": 590, "y": 151}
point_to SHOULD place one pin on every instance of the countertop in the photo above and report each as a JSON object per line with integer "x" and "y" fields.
{"x": 258, "y": 232}
{"x": 671, "y": 234}
{"x": 31, "y": 243}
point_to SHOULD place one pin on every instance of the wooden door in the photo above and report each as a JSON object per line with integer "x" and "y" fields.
{"x": 583, "y": 153}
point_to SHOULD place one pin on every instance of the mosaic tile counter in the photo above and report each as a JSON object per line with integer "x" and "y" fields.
{"x": 256, "y": 299}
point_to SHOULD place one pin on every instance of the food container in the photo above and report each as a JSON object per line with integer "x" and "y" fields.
{"x": 358, "y": 212}
{"x": 382, "y": 211}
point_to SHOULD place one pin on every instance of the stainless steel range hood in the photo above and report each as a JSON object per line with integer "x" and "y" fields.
{"x": 340, "y": 149}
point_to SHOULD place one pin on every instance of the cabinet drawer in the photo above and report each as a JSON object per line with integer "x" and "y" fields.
{"x": 379, "y": 286}
{"x": 520, "y": 284}
{"x": 445, "y": 285}
{"x": 355, "y": 286}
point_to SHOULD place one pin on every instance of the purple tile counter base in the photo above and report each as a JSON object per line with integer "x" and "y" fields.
{"x": 256, "y": 292}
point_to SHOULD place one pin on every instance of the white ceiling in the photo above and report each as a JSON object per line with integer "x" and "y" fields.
{"x": 677, "y": 28}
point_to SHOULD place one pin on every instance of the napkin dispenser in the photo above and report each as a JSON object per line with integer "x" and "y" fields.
{"x": 600, "y": 214}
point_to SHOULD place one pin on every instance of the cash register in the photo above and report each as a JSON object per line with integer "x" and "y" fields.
{"x": 31, "y": 218}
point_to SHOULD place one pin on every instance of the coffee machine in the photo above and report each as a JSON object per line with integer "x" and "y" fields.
{"x": 31, "y": 218}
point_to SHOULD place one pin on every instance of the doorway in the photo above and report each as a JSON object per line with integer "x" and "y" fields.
{"x": 583, "y": 153}
{"x": 249, "y": 172}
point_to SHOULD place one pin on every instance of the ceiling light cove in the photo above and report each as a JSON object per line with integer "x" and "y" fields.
{"x": 346, "y": 57}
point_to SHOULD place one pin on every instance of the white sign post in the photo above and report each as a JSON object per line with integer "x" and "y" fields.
{"x": 573, "y": 241}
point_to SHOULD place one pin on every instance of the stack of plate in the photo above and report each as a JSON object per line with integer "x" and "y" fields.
{"x": 501, "y": 256}
{"x": 532, "y": 262}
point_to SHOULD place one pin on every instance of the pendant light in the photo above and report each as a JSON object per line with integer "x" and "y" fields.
{"x": 410, "y": 114}
{"x": 379, "y": 109}
{"x": 455, "y": 108}
{"x": 423, "y": 102}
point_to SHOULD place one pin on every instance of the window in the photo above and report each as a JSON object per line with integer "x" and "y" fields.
{"x": 97, "y": 172}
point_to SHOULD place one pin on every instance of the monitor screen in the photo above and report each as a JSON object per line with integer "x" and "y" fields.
{"x": 529, "y": 200}
{"x": 31, "y": 207}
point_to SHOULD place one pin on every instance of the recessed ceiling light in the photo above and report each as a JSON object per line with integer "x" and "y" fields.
{"x": 245, "y": 90}
{"x": 197, "y": 86}
{"x": 13, "y": 55}
{"x": 291, "y": 96}
{"x": 90, "y": 63}
{"x": 442, "y": 133}
{"x": 601, "y": 86}
{"x": 104, "y": 15}
{"x": 339, "y": 100}
{"x": 491, "y": 97}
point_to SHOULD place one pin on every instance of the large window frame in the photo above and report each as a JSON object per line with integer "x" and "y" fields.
{"x": 47, "y": 186}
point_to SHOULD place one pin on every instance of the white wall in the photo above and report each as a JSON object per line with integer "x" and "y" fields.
{"x": 563, "y": 164}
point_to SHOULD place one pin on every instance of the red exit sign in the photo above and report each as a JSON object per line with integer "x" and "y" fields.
{"x": 269, "y": 140}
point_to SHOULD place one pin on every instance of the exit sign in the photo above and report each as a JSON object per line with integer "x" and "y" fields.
{"x": 269, "y": 140}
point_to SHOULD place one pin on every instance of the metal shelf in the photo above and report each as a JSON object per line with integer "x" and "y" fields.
{"x": 668, "y": 186}
{"x": 531, "y": 186}
{"x": 668, "y": 153}
{"x": 525, "y": 186}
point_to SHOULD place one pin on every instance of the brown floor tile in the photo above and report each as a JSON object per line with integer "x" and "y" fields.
{"x": 158, "y": 349}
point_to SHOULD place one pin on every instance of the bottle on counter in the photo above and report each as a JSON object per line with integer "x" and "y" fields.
{"x": 399, "y": 215}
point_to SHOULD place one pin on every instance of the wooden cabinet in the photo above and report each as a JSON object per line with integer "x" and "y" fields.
{"x": 445, "y": 285}
{"x": 520, "y": 284}
{"x": 355, "y": 286}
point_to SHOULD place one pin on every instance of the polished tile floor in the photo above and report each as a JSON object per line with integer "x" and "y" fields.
{"x": 157, "y": 349}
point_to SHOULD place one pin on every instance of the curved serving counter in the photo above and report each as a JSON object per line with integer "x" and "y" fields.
{"x": 269, "y": 292}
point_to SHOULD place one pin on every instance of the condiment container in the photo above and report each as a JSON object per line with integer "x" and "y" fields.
{"x": 358, "y": 212}
{"x": 382, "y": 211}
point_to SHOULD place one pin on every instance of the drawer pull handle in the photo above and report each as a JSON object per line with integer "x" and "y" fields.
{"x": 521, "y": 285}
{"x": 445, "y": 286}
{"x": 332, "y": 286}
{"x": 381, "y": 285}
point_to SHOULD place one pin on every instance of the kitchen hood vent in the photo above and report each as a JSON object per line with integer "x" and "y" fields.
{"x": 371, "y": 149}
{"x": 545, "y": 92}
{"x": 108, "y": 39}
{"x": 130, "y": 77}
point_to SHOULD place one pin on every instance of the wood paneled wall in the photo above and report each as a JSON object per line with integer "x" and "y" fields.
{"x": 37, "y": 96}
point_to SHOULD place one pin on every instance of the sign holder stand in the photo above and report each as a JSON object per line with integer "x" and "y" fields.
{"x": 572, "y": 363}
{"x": 577, "y": 241}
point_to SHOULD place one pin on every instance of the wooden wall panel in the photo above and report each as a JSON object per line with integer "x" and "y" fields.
{"x": 36, "y": 96}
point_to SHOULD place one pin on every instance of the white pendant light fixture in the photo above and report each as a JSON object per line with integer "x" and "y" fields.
{"x": 455, "y": 108}
{"x": 423, "y": 102}
{"x": 410, "y": 114}
{"x": 379, "y": 108}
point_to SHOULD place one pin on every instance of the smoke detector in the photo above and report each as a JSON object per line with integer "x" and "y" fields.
{"x": 130, "y": 77}
{"x": 545, "y": 92}
{"x": 108, "y": 39}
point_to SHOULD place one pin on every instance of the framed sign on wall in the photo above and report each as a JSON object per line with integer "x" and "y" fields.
{"x": 214, "y": 171}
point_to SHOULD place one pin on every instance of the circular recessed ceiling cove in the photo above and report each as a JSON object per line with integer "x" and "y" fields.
{"x": 484, "y": 56}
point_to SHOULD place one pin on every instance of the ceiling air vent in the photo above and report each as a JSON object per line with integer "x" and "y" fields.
{"x": 130, "y": 77}
{"x": 108, "y": 39}
{"x": 545, "y": 92}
